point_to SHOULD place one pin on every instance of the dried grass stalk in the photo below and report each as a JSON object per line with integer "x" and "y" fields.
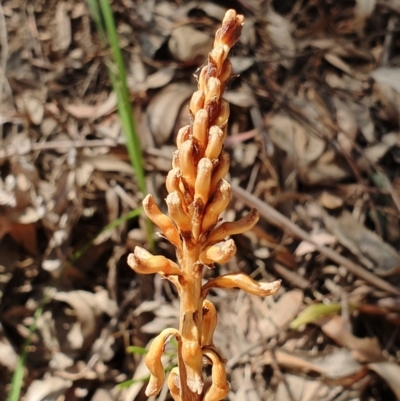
{"x": 198, "y": 194}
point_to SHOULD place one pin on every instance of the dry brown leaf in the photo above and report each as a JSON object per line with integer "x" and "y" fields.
{"x": 364, "y": 350}
{"x": 330, "y": 201}
{"x": 63, "y": 35}
{"x": 188, "y": 44}
{"x": 369, "y": 247}
{"x": 291, "y": 136}
{"x": 109, "y": 162}
{"x": 24, "y": 234}
{"x": 163, "y": 110}
{"x": 296, "y": 388}
{"x": 103, "y": 395}
{"x": 88, "y": 308}
{"x": 362, "y": 11}
{"x": 280, "y": 32}
{"x": 347, "y": 124}
{"x": 319, "y": 238}
{"x": 338, "y": 365}
{"x": 362, "y": 114}
{"x": 390, "y": 372}
{"x": 387, "y": 85}
{"x": 33, "y": 107}
{"x": 159, "y": 79}
{"x": 281, "y": 313}
{"x": 49, "y": 388}
{"x": 8, "y": 356}
{"x": 93, "y": 112}
{"x": 345, "y": 67}
{"x": 247, "y": 390}
{"x": 328, "y": 169}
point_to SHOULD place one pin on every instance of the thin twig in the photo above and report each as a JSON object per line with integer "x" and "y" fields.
{"x": 279, "y": 220}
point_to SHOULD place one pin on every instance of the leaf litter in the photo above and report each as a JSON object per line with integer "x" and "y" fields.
{"x": 313, "y": 133}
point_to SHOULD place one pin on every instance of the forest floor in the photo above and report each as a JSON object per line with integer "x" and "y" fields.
{"x": 314, "y": 135}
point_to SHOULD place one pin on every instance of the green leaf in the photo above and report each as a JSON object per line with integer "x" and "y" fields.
{"x": 314, "y": 312}
{"x": 129, "y": 383}
{"x": 137, "y": 350}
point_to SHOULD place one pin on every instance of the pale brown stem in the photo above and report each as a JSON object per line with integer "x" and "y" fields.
{"x": 191, "y": 309}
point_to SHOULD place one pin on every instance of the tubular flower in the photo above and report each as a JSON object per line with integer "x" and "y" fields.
{"x": 197, "y": 196}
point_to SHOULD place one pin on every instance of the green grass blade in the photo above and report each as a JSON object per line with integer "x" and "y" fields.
{"x": 133, "y": 349}
{"x": 104, "y": 20}
{"x": 18, "y": 376}
{"x": 124, "y": 105}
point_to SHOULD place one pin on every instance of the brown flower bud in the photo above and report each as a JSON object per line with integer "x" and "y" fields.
{"x": 203, "y": 180}
{"x": 217, "y": 205}
{"x": 221, "y": 253}
{"x": 197, "y": 101}
{"x": 217, "y": 57}
{"x": 200, "y": 129}
{"x": 210, "y": 320}
{"x": 162, "y": 221}
{"x": 219, "y": 388}
{"x": 225, "y": 73}
{"x": 174, "y": 384}
{"x": 142, "y": 261}
{"x": 220, "y": 171}
{"x": 231, "y": 28}
{"x": 153, "y": 361}
{"x": 173, "y": 184}
{"x": 182, "y": 135}
{"x": 178, "y": 214}
{"x": 216, "y": 140}
{"x": 213, "y": 90}
{"x": 223, "y": 115}
{"x": 244, "y": 282}
{"x": 173, "y": 179}
{"x": 188, "y": 162}
{"x": 235, "y": 227}
{"x": 202, "y": 79}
